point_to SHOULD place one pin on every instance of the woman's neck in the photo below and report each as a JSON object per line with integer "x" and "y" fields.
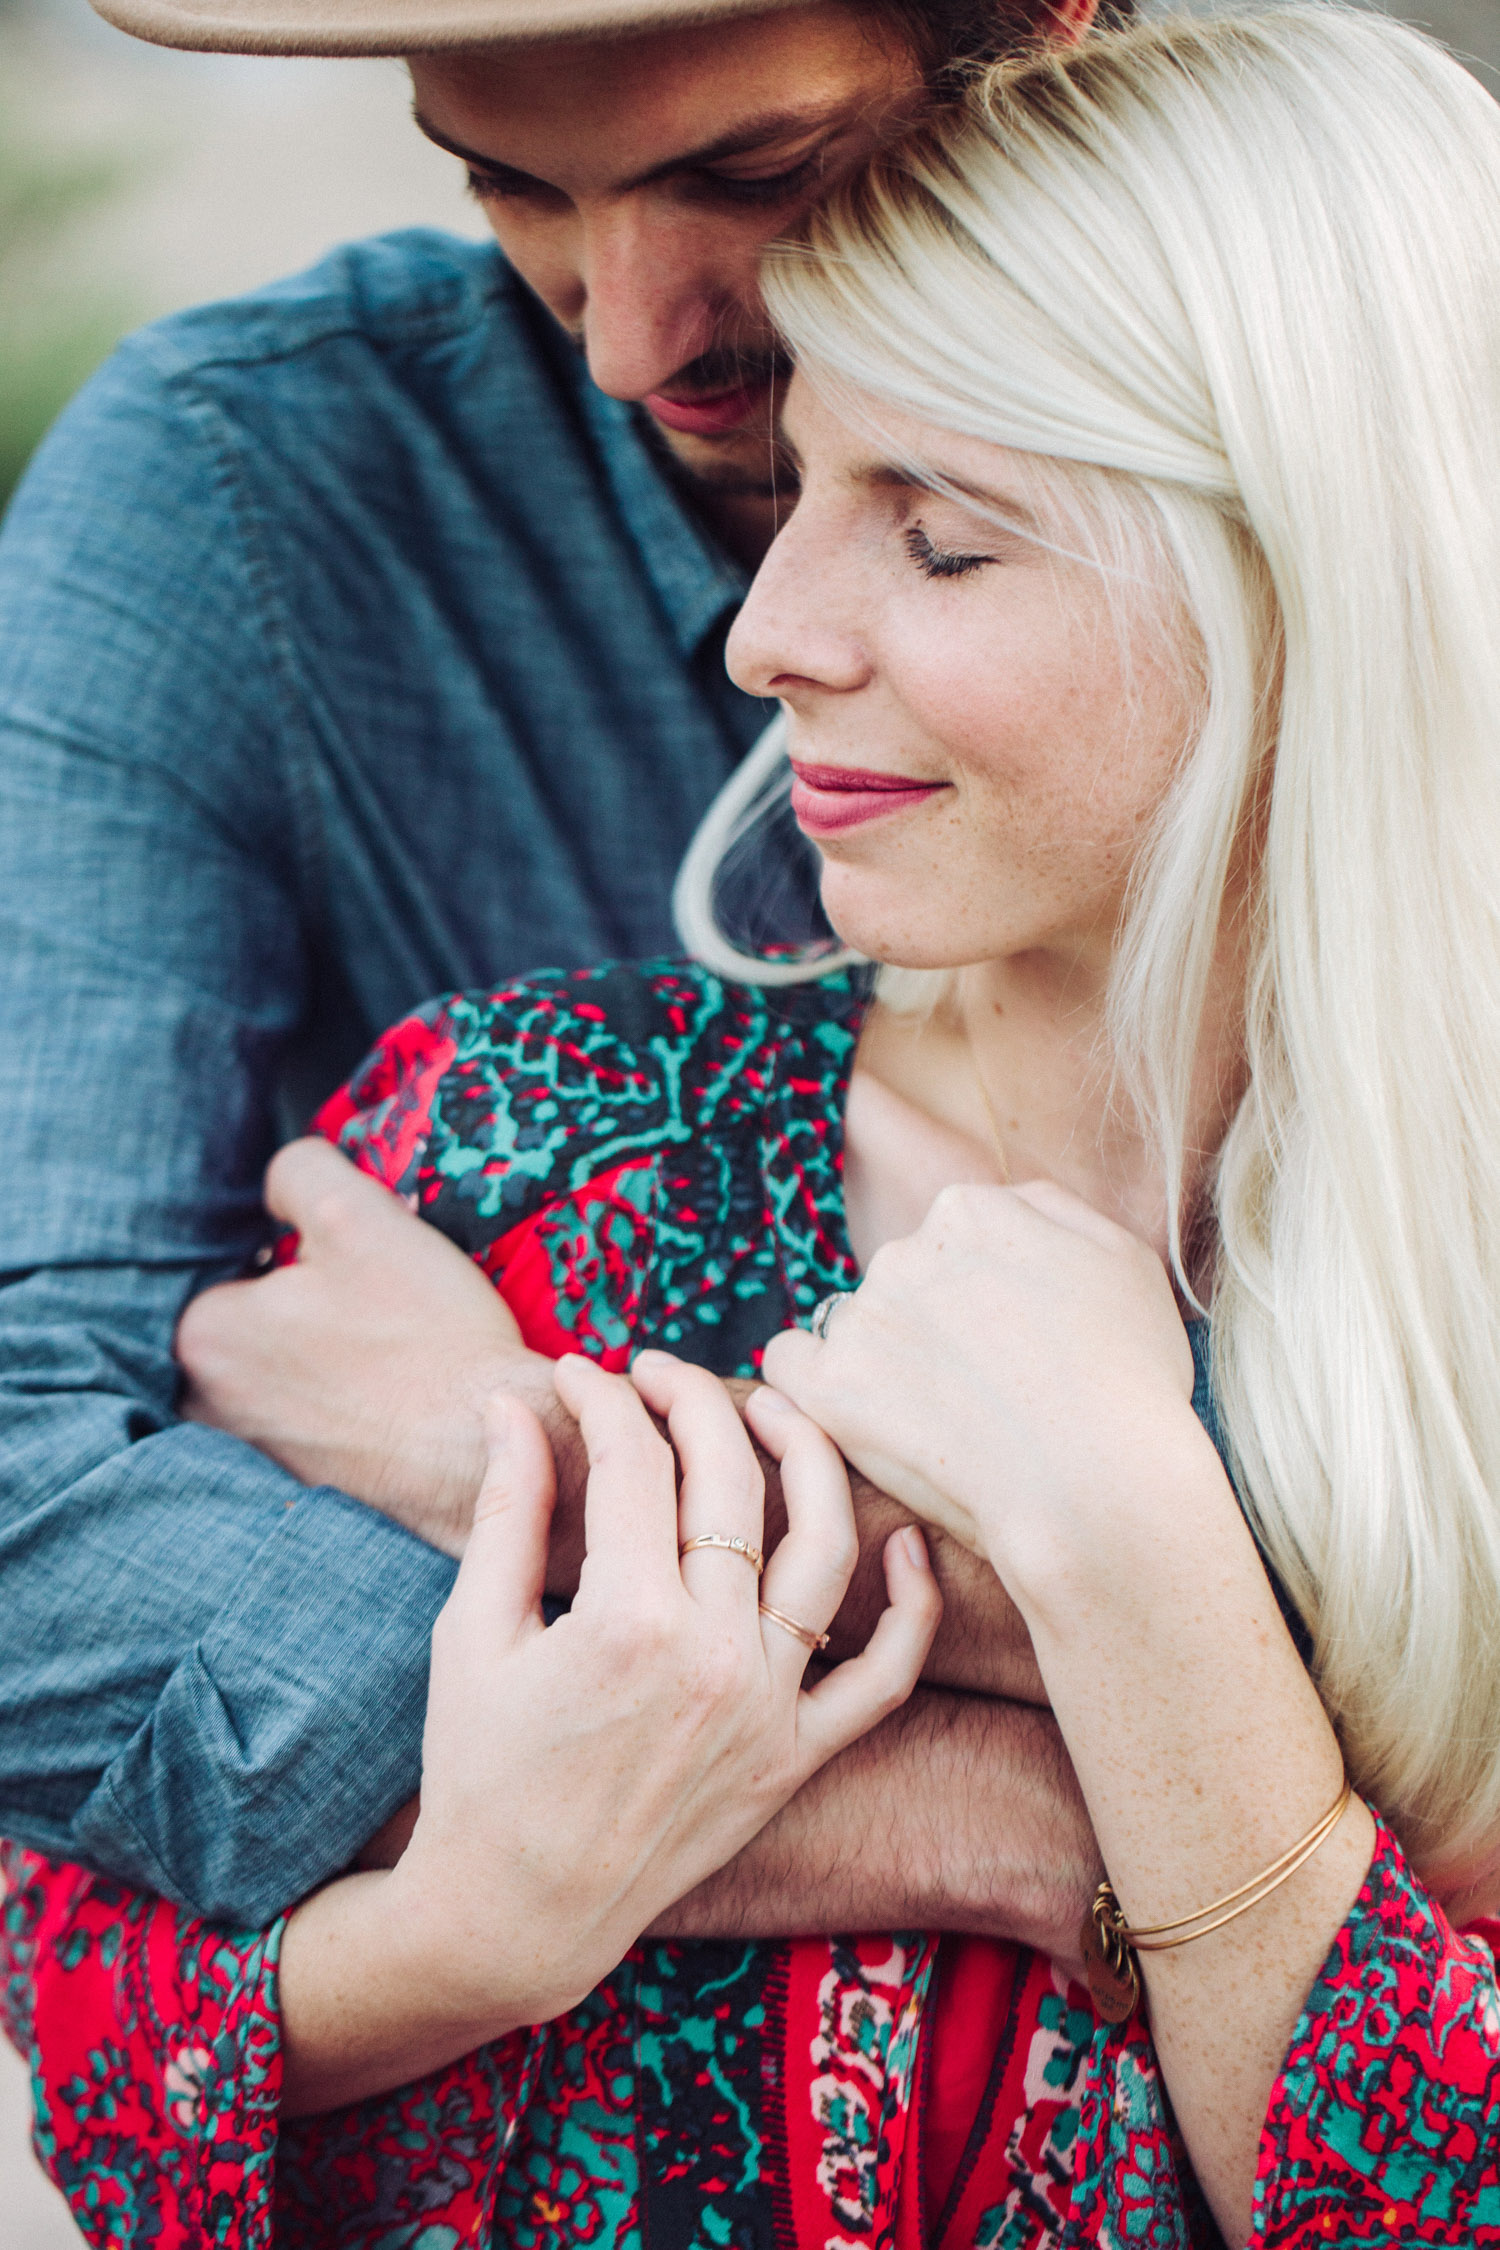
{"x": 1010, "y": 1077}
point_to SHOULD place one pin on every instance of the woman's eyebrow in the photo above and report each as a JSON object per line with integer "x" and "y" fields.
{"x": 890, "y": 477}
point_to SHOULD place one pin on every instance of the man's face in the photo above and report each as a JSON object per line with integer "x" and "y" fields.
{"x": 634, "y": 183}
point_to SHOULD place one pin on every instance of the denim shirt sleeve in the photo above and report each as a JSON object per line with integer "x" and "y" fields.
{"x": 211, "y": 1678}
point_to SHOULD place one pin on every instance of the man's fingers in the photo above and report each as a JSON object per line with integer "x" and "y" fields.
{"x": 857, "y": 1695}
{"x": 313, "y": 1187}
{"x": 630, "y": 1503}
{"x": 501, "y": 1577}
{"x": 203, "y": 1344}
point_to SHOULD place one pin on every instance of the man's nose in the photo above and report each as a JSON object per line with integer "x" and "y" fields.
{"x": 653, "y": 301}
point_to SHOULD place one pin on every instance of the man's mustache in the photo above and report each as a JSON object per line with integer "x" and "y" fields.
{"x": 727, "y": 367}
{"x": 730, "y": 368}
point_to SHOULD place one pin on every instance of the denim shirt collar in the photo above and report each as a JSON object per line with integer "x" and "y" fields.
{"x": 695, "y": 581}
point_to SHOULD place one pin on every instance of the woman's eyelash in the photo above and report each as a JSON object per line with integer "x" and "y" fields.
{"x": 940, "y": 562}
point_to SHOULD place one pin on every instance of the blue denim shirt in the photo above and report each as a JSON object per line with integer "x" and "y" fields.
{"x": 353, "y": 647}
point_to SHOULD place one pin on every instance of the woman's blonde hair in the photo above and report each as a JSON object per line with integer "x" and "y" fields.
{"x": 1250, "y": 266}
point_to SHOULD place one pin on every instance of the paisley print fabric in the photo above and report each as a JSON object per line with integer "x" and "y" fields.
{"x": 647, "y": 1156}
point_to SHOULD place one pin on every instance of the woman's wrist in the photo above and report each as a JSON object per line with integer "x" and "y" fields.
{"x": 1097, "y": 1542}
{"x": 377, "y": 1988}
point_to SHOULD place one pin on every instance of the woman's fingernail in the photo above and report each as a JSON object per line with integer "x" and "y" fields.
{"x": 916, "y": 1548}
{"x": 772, "y": 1402}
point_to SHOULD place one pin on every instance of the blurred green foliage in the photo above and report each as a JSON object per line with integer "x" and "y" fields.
{"x": 57, "y": 321}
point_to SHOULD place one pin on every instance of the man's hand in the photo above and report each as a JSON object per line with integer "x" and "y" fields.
{"x": 364, "y": 1366}
{"x": 982, "y": 1645}
{"x": 365, "y": 1363}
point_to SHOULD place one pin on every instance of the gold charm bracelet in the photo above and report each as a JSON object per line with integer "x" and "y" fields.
{"x": 1110, "y": 1945}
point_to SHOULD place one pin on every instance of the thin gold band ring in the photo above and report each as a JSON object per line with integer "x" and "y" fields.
{"x": 802, "y": 1633}
{"x": 746, "y": 1549}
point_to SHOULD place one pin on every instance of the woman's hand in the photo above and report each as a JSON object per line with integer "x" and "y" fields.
{"x": 579, "y": 1779}
{"x": 1017, "y": 1371}
{"x": 1006, "y": 1371}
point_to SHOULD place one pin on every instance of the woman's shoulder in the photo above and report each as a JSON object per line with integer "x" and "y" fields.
{"x": 563, "y": 1071}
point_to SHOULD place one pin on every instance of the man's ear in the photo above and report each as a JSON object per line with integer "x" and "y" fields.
{"x": 1071, "y": 19}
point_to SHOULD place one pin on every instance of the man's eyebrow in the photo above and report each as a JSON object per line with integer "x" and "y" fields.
{"x": 742, "y": 140}
{"x": 474, "y": 156}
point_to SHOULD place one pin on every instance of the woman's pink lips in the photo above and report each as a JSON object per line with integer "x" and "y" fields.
{"x": 826, "y": 799}
{"x": 711, "y": 416}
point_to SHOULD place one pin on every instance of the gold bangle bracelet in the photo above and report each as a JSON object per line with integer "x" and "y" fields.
{"x": 1109, "y": 1943}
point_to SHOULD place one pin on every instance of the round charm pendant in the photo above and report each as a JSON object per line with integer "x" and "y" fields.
{"x": 1109, "y": 1966}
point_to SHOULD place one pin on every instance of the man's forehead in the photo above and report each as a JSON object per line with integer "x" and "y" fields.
{"x": 619, "y": 111}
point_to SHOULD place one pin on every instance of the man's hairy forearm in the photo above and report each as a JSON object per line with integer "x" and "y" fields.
{"x": 958, "y": 1813}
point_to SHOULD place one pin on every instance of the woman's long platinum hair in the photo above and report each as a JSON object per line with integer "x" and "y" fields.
{"x": 1250, "y": 266}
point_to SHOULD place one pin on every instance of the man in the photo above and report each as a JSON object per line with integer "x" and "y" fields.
{"x": 359, "y": 640}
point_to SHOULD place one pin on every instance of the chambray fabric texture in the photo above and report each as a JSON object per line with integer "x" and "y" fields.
{"x": 353, "y": 648}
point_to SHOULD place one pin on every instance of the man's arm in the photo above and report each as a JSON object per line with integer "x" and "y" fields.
{"x": 365, "y": 1365}
{"x": 366, "y": 1362}
{"x": 193, "y": 1644}
{"x": 957, "y": 1813}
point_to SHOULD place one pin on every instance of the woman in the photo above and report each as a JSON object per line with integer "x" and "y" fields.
{"x": 1132, "y": 629}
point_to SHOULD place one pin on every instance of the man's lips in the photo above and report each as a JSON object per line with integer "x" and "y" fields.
{"x": 711, "y": 415}
{"x": 826, "y": 799}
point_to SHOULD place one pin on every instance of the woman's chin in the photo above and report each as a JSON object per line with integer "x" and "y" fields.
{"x": 894, "y": 944}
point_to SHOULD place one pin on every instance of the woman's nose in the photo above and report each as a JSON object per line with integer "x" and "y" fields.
{"x": 794, "y": 634}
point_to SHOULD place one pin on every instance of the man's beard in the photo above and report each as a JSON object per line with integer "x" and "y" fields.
{"x": 764, "y": 368}
{"x": 732, "y": 367}
{"x": 728, "y": 367}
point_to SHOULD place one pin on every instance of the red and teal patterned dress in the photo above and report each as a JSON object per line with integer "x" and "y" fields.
{"x": 647, "y": 1156}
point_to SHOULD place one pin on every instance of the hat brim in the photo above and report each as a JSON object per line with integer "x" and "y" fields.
{"x": 400, "y": 27}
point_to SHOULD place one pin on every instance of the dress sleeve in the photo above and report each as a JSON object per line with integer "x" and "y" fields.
{"x": 528, "y": 1128}
{"x": 1384, "y": 2125}
{"x": 154, "y": 2053}
{"x": 154, "y": 2045}
{"x": 382, "y": 1119}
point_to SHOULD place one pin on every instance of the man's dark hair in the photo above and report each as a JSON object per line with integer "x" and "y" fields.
{"x": 954, "y": 37}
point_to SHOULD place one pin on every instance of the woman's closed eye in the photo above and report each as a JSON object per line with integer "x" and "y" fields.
{"x": 940, "y": 562}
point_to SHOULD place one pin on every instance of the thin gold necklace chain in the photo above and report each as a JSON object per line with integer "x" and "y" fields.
{"x": 984, "y": 1095}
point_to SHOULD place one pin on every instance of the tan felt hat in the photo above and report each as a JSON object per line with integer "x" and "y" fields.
{"x": 399, "y": 27}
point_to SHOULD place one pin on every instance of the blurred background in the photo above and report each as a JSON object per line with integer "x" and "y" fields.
{"x": 134, "y": 181}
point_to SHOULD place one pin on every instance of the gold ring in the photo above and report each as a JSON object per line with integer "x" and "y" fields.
{"x": 746, "y": 1548}
{"x": 802, "y": 1633}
